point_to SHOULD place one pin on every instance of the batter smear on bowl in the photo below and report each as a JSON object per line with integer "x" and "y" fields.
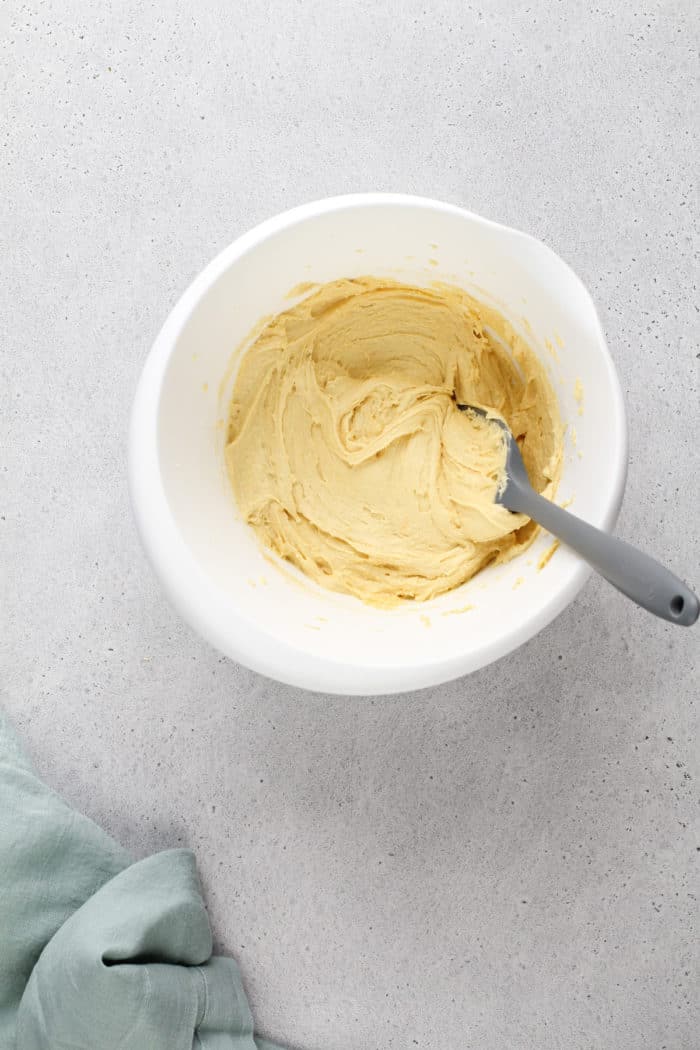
{"x": 347, "y": 452}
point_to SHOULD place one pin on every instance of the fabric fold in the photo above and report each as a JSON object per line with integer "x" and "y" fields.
{"x": 98, "y": 952}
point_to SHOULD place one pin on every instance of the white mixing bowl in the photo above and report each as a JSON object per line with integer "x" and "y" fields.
{"x": 264, "y": 613}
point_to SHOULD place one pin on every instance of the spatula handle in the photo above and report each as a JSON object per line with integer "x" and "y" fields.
{"x": 637, "y": 575}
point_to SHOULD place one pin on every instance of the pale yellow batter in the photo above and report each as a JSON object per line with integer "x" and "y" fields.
{"x": 349, "y": 457}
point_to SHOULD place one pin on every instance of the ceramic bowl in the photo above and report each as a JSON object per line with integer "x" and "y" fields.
{"x": 264, "y": 613}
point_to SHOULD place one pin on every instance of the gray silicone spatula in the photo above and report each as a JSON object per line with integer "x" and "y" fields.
{"x": 637, "y": 575}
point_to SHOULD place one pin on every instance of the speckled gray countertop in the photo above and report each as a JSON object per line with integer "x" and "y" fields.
{"x": 509, "y": 861}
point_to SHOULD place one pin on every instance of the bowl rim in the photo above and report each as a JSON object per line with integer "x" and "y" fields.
{"x": 189, "y": 589}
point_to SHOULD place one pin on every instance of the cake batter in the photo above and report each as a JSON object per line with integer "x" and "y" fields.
{"x": 347, "y": 452}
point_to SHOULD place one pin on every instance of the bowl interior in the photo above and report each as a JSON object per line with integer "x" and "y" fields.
{"x": 416, "y": 242}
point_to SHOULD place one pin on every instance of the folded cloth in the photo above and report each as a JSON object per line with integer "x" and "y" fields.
{"x": 98, "y": 952}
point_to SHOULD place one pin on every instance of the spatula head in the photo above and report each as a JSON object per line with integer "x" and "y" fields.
{"x": 515, "y": 473}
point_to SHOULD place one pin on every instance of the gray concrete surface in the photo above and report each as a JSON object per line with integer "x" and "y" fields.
{"x": 512, "y": 860}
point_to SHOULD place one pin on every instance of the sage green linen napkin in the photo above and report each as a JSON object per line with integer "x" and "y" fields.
{"x": 98, "y": 952}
